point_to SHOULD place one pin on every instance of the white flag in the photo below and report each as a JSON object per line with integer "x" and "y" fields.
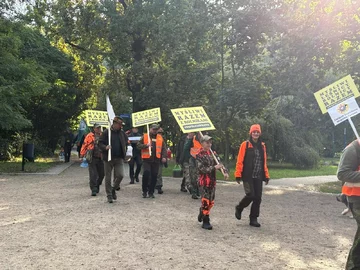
{"x": 110, "y": 110}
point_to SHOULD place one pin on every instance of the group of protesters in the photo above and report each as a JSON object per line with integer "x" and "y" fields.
{"x": 199, "y": 165}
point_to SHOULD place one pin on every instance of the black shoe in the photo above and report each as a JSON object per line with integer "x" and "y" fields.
{"x": 254, "y": 222}
{"x": 238, "y": 212}
{"x": 113, "y": 193}
{"x": 151, "y": 196}
{"x": 118, "y": 188}
{"x": 160, "y": 191}
{"x": 144, "y": 194}
{"x": 132, "y": 182}
{"x": 201, "y": 215}
{"x": 194, "y": 197}
{"x": 137, "y": 179}
{"x": 183, "y": 189}
{"x": 110, "y": 200}
{"x": 206, "y": 223}
{"x": 93, "y": 193}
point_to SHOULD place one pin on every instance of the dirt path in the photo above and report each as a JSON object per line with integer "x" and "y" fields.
{"x": 52, "y": 222}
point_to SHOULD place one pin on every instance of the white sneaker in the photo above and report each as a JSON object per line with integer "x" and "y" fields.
{"x": 345, "y": 211}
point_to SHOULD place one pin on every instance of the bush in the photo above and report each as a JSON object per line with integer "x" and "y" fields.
{"x": 304, "y": 157}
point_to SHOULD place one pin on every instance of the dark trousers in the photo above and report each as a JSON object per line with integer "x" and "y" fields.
{"x": 96, "y": 173}
{"x": 150, "y": 172}
{"x": 353, "y": 262}
{"x": 67, "y": 151}
{"x": 138, "y": 161}
{"x": 253, "y": 190}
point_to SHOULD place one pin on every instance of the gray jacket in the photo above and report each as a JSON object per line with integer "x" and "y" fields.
{"x": 348, "y": 166}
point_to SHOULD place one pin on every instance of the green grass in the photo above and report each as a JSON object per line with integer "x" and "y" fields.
{"x": 40, "y": 165}
{"x": 333, "y": 187}
{"x": 276, "y": 171}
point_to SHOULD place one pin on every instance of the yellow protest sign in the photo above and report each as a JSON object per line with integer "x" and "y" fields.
{"x": 335, "y": 93}
{"x": 146, "y": 117}
{"x": 100, "y": 117}
{"x": 192, "y": 119}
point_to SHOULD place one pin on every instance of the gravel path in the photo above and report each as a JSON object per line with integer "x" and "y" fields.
{"x": 52, "y": 222}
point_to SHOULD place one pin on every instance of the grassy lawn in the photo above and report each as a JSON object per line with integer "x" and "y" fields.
{"x": 276, "y": 171}
{"x": 333, "y": 187}
{"x": 40, "y": 165}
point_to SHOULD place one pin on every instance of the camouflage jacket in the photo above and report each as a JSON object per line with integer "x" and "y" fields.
{"x": 205, "y": 163}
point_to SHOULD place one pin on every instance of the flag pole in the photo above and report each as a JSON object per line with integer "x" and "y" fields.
{"x": 148, "y": 133}
{"x": 109, "y": 153}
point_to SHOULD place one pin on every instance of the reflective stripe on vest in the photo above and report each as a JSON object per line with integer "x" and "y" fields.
{"x": 351, "y": 189}
{"x": 159, "y": 142}
{"x": 196, "y": 147}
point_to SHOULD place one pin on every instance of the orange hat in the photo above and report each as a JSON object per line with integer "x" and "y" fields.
{"x": 255, "y": 127}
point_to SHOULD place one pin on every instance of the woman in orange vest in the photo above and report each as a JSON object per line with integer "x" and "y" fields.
{"x": 251, "y": 168}
{"x": 151, "y": 162}
{"x": 349, "y": 173}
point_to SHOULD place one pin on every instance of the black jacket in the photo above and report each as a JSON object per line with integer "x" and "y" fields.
{"x": 119, "y": 143}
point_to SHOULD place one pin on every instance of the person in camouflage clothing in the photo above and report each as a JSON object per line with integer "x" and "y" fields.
{"x": 207, "y": 167}
{"x": 190, "y": 147}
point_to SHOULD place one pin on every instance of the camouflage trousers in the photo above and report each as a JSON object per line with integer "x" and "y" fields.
{"x": 353, "y": 262}
{"x": 194, "y": 176}
{"x": 186, "y": 175}
{"x": 207, "y": 199}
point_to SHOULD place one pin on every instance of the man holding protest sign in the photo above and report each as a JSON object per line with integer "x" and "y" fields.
{"x": 153, "y": 152}
{"x": 118, "y": 145}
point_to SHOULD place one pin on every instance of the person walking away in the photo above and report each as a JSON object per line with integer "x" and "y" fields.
{"x": 207, "y": 167}
{"x": 251, "y": 168}
{"x": 134, "y": 137}
{"x": 179, "y": 159}
{"x": 68, "y": 144}
{"x": 96, "y": 166}
{"x": 194, "y": 145}
{"x": 151, "y": 162}
{"x": 159, "y": 180}
{"x": 184, "y": 159}
{"x": 349, "y": 173}
{"x": 118, "y": 148}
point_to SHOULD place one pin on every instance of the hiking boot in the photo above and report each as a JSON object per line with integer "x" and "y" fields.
{"x": 194, "y": 197}
{"x": 238, "y": 212}
{"x": 160, "y": 191}
{"x": 151, "y": 195}
{"x": 110, "y": 199}
{"x": 201, "y": 215}
{"x": 113, "y": 194}
{"x": 206, "y": 223}
{"x": 93, "y": 193}
{"x": 144, "y": 195}
{"x": 254, "y": 222}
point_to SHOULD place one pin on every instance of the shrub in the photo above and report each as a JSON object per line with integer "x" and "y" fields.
{"x": 304, "y": 157}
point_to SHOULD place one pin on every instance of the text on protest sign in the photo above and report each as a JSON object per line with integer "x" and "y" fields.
{"x": 146, "y": 117}
{"x": 335, "y": 93}
{"x": 192, "y": 119}
{"x": 100, "y": 117}
{"x": 342, "y": 111}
